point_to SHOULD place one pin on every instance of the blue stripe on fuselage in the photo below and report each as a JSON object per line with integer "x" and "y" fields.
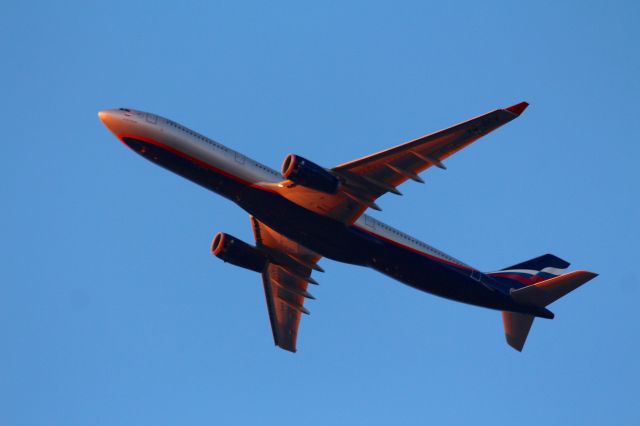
{"x": 333, "y": 239}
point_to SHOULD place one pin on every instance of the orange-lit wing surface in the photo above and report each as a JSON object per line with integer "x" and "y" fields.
{"x": 368, "y": 178}
{"x": 285, "y": 278}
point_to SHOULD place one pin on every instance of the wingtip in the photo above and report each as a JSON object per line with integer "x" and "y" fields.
{"x": 517, "y": 109}
{"x": 588, "y": 274}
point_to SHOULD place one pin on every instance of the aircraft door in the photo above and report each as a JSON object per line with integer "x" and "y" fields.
{"x": 151, "y": 118}
{"x": 239, "y": 158}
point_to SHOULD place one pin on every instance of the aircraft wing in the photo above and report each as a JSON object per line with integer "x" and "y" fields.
{"x": 285, "y": 280}
{"x": 369, "y": 177}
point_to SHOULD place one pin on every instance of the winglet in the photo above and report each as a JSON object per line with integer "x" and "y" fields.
{"x": 517, "y": 109}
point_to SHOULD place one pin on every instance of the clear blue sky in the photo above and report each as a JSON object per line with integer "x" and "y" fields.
{"x": 114, "y": 312}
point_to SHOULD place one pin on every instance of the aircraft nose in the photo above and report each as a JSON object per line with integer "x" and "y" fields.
{"x": 104, "y": 117}
{"x": 109, "y": 120}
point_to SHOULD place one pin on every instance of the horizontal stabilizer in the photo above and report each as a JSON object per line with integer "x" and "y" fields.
{"x": 516, "y": 328}
{"x": 548, "y": 291}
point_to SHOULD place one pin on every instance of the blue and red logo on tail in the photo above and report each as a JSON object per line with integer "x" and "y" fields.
{"x": 532, "y": 271}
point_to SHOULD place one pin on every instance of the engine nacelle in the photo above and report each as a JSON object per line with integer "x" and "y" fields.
{"x": 237, "y": 252}
{"x": 306, "y": 173}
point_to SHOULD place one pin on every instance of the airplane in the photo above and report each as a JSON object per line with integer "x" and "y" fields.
{"x": 306, "y": 212}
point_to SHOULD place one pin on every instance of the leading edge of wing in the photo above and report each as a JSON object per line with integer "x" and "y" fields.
{"x": 515, "y": 110}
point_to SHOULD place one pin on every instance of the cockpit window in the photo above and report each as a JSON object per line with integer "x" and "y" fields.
{"x": 124, "y": 109}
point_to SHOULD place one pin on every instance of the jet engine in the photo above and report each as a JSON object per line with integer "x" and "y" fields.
{"x": 237, "y": 252}
{"x": 306, "y": 173}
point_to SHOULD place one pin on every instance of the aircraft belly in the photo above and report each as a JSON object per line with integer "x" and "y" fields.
{"x": 433, "y": 277}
